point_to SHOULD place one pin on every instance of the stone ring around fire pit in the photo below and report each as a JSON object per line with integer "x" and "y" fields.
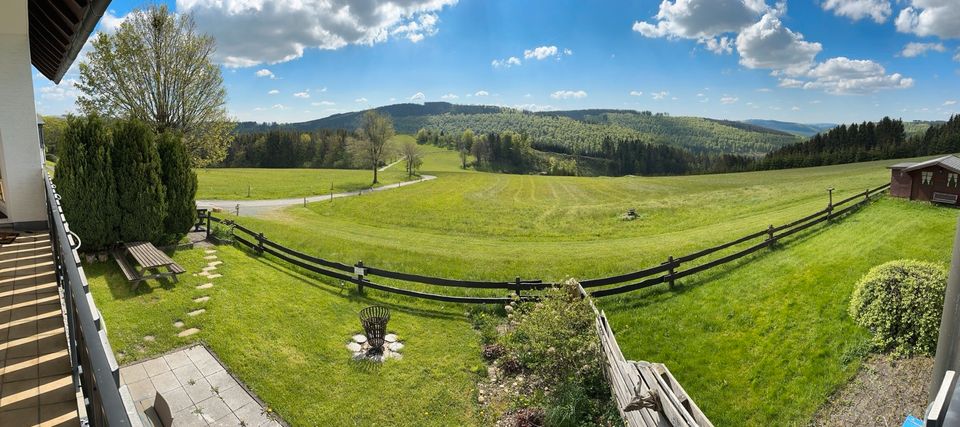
{"x": 359, "y": 347}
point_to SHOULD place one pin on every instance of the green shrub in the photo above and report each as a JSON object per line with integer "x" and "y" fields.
{"x": 556, "y": 340}
{"x": 140, "y": 193}
{"x": 901, "y": 302}
{"x": 180, "y": 182}
{"x": 85, "y": 182}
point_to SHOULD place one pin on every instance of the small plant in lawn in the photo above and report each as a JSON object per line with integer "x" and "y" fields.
{"x": 901, "y": 302}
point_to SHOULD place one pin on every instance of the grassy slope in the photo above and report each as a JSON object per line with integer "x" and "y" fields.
{"x": 284, "y": 334}
{"x": 233, "y": 183}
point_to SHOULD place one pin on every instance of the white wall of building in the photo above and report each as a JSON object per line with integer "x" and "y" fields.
{"x": 20, "y": 156}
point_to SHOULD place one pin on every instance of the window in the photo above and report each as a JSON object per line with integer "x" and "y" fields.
{"x": 926, "y": 178}
{"x": 951, "y": 180}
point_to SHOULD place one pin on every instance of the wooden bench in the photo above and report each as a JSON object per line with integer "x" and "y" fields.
{"x": 944, "y": 198}
{"x": 153, "y": 263}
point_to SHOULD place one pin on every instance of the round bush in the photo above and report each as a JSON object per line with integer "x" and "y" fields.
{"x": 901, "y": 302}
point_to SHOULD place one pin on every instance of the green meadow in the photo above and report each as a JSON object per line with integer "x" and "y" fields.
{"x": 763, "y": 341}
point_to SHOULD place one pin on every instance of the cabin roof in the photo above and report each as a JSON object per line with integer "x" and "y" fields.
{"x": 949, "y": 162}
{"x": 58, "y": 30}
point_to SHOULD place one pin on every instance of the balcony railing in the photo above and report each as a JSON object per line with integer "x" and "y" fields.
{"x": 95, "y": 370}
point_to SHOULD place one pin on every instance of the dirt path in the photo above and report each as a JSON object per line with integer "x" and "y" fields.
{"x": 259, "y": 207}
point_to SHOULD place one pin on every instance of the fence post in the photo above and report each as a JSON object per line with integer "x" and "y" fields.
{"x": 517, "y": 289}
{"x": 770, "y": 234}
{"x": 260, "y": 244}
{"x": 359, "y": 271}
{"x": 671, "y": 263}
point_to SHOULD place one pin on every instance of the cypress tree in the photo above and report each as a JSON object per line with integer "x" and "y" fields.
{"x": 181, "y": 184}
{"x": 140, "y": 193}
{"x": 85, "y": 182}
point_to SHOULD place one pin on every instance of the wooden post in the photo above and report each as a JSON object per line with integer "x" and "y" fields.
{"x": 770, "y": 235}
{"x": 670, "y": 262}
{"x": 238, "y": 209}
{"x": 517, "y": 289}
{"x": 304, "y": 202}
{"x": 359, "y": 271}
{"x": 260, "y": 244}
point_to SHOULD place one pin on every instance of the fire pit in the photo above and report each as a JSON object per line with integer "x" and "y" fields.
{"x": 374, "y": 320}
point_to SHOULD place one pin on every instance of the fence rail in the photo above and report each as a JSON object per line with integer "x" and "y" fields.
{"x": 667, "y": 272}
{"x": 95, "y": 370}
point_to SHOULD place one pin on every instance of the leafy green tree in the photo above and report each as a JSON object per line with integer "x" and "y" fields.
{"x": 53, "y": 130}
{"x": 156, "y": 68}
{"x": 412, "y": 157}
{"x": 464, "y": 145}
{"x": 373, "y": 144}
{"x": 180, "y": 182}
{"x": 141, "y": 196}
{"x": 85, "y": 182}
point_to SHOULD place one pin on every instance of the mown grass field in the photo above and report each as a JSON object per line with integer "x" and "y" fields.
{"x": 284, "y": 336}
{"x": 237, "y": 183}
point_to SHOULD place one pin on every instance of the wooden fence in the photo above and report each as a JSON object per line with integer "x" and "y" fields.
{"x": 673, "y": 269}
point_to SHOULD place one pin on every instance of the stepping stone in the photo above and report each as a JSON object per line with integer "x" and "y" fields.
{"x": 188, "y": 332}
{"x": 390, "y": 338}
{"x": 209, "y": 268}
{"x": 214, "y": 263}
{"x": 395, "y": 346}
{"x": 178, "y": 324}
{"x": 354, "y": 347}
{"x": 210, "y": 251}
{"x": 201, "y": 299}
{"x": 149, "y": 338}
{"x": 214, "y": 276}
{"x": 211, "y": 257}
{"x": 205, "y": 286}
{"x": 196, "y": 312}
{"x": 359, "y": 338}
{"x": 203, "y": 273}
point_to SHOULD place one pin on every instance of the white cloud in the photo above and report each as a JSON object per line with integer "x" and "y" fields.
{"x": 795, "y": 108}
{"x": 856, "y": 10}
{"x": 419, "y": 96}
{"x": 273, "y": 92}
{"x": 507, "y": 63}
{"x": 279, "y": 107}
{"x": 840, "y": 76}
{"x": 110, "y": 22}
{"x": 949, "y": 103}
{"x": 791, "y": 83}
{"x": 265, "y": 73}
{"x": 729, "y": 100}
{"x": 360, "y": 100}
{"x": 65, "y": 91}
{"x": 304, "y": 94}
{"x": 636, "y": 93}
{"x": 719, "y": 45}
{"x": 701, "y": 19}
{"x": 914, "y": 49}
{"x": 568, "y": 94}
{"x": 449, "y": 96}
{"x": 481, "y": 93}
{"x": 252, "y": 32}
{"x": 768, "y": 44}
{"x": 322, "y": 103}
{"x": 540, "y": 53}
{"x": 939, "y": 18}
{"x": 764, "y": 89}
{"x": 660, "y": 95}
{"x": 568, "y": 52}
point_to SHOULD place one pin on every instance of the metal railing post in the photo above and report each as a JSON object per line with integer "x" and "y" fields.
{"x": 948, "y": 357}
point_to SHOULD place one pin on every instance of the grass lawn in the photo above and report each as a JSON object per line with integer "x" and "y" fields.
{"x": 284, "y": 335}
{"x": 233, "y": 183}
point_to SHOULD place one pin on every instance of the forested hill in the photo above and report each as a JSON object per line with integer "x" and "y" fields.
{"x": 572, "y": 132}
{"x": 802, "y": 129}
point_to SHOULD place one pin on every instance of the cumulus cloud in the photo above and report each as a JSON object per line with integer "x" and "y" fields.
{"x": 360, "y": 100}
{"x": 273, "y": 92}
{"x": 66, "y": 90}
{"x": 701, "y": 19}
{"x": 924, "y": 18}
{"x": 769, "y": 44}
{"x": 660, "y": 95}
{"x": 449, "y": 96}
{"x": 540, "y": 53}
{"x": 304, "y": 94}
{"x": 729, "y": 100}
{"x": 110, "y": 21}
{"x": 481, "y": 93}
{"x": 507, "y": 63}
{"x": 252, "y": 32}
{"x": 265, "y": 73}
{"x": 322, "y": 103}
{"x": 949, "y": 103}
{"x": 916, "y": 49}
{"x": 568, "y": 94}
{"x": 636, "y": 93}
{"x": 719, "y": 45}
{"x": 419, "y": 96}
{"x": 841, "y": 76}
{"x": 878, "y": 10}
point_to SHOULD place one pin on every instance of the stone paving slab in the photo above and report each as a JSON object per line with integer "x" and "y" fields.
{"x": 198, "y": 389}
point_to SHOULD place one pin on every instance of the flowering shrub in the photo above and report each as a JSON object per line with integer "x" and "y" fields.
{"x": 901, "y": 302}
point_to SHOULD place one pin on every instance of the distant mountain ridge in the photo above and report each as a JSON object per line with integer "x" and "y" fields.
{"x": 574, "y": 131}
{"x": 802, "y": 129}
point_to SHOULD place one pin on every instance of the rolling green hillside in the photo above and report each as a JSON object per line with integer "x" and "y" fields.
{"x": 575, "y": 132}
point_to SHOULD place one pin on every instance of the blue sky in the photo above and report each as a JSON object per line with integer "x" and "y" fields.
{"x": 800, "y": 60}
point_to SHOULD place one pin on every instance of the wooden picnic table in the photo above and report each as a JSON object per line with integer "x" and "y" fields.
{"x": 152, "y": 262}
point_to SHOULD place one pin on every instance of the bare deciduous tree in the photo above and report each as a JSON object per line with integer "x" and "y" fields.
{"x": 412, "y": 157}
{"x": 158, "y": 69}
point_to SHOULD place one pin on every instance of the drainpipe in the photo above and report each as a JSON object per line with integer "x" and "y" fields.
{"x": 948, "y": 353}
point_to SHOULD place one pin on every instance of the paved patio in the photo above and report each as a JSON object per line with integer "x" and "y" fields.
{"x": 197, "y": 388}
{"x": 36, "y": 386}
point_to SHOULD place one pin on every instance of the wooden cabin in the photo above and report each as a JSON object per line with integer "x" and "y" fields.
{"x": 935, "y": 180}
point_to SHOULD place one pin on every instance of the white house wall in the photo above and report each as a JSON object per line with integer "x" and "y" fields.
{"x": 20, "y": 156}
